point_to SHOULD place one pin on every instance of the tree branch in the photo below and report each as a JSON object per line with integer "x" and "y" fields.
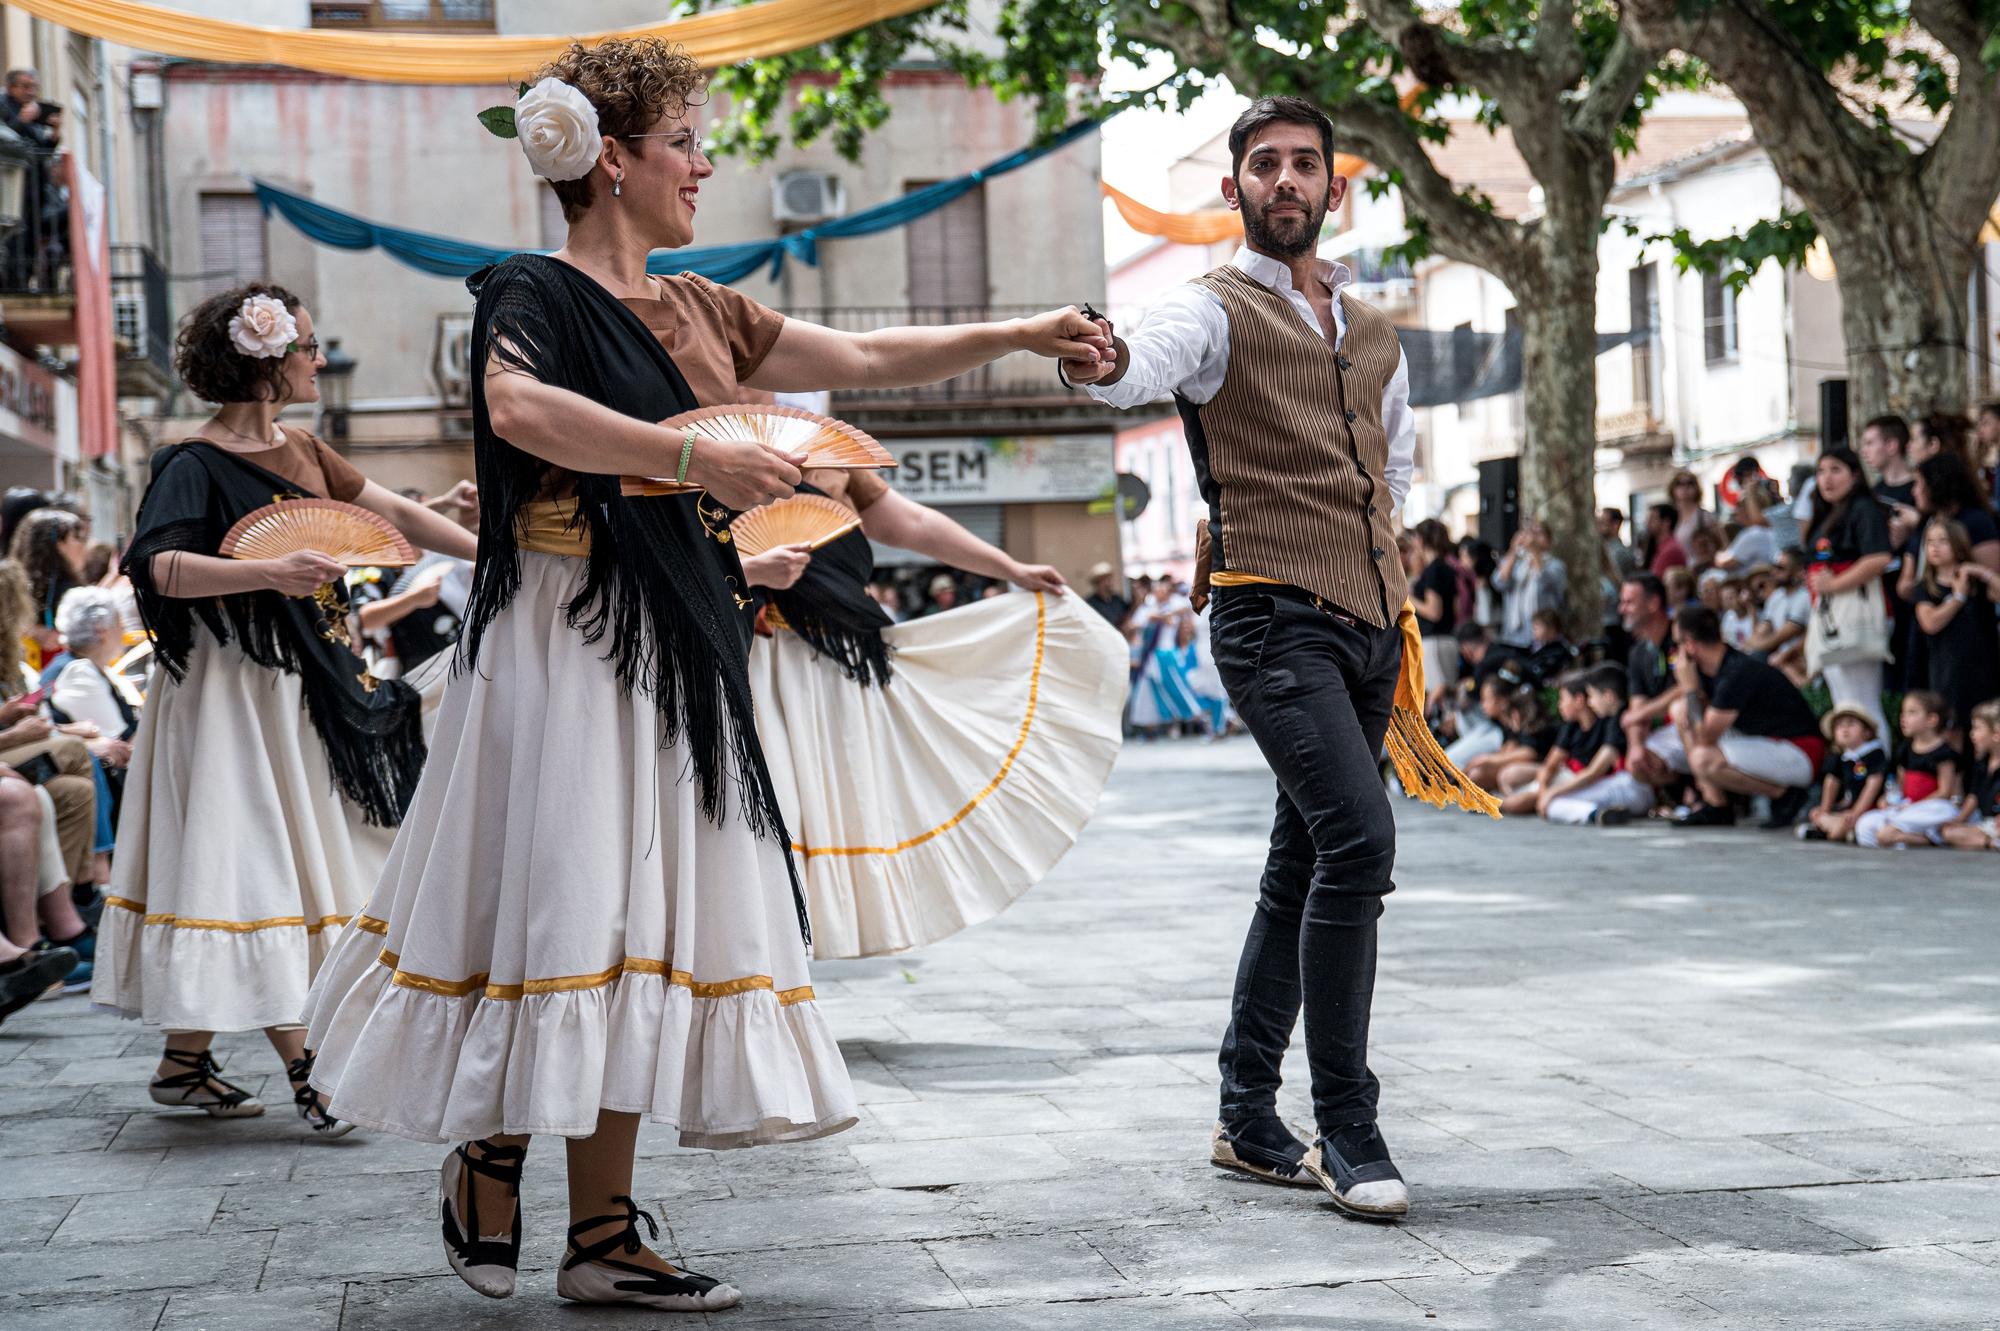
{"x": 1961, "y": 169}
{"x": 1556, "y": 44}
{"x": 1618, "y": 81}
{"x": 1440, "y": 58}
{"x": 1466, "y": 230}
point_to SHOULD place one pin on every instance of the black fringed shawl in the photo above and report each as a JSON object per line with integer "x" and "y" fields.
{"x": 659, "y": 589}
{"x": 830, "y": 609}
{"x": 372, "y": 729}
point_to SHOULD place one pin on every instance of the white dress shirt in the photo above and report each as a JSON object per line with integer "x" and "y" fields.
{"x": 1181, "y": 348}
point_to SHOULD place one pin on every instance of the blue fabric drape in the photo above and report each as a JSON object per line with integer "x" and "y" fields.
{"x": 442, "y": 256}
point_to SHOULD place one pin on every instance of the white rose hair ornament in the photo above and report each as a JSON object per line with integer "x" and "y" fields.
{"x": 263, "y": 329}
{"x": 556, "y": 125}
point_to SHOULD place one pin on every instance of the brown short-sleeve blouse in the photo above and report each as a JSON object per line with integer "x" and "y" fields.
{"x": 717, "y": 337}
{"x": 305, "y": 460}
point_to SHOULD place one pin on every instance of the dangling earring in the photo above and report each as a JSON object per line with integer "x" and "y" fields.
{"x": 618, "y": 184}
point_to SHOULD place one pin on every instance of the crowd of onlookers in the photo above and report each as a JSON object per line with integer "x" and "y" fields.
{"x": 1827, "y": 660}
{"x": 73, "y": 657}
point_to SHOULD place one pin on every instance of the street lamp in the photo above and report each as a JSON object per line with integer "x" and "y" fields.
{"x": 17, "y": 162}
{"x": 336, "y": 388}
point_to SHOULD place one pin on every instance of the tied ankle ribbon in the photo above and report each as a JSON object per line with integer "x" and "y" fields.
{"x": 1422, "y": 767}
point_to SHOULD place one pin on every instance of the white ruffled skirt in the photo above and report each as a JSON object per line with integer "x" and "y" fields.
{"x": 237, "y": 857}
{"x": 559, "y": 930}
{"x": 929, "y": 804}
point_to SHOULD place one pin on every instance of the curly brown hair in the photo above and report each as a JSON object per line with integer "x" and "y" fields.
{"x": 17, "y": 609}
{"x": 209, "y": 363}
{"x": 632, "y": 81}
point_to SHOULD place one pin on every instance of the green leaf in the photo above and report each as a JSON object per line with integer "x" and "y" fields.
{"x": 499, "y": 122}
{"x": 521, "y": 90}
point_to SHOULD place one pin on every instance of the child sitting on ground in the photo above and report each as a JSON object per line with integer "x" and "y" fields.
{"x": 1739, "y": 613}
{"x": 1977, "y": 826}
{"x": 1603, "y": 792}
{"x": 1526, "y": 733}
{"x": 1552, "y": 653}
{"x": 1856, "y": 770}
{"x": 1928, "y": 778}
{"x": 1524, "y": 783}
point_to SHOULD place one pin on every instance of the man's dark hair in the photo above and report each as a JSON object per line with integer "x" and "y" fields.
{"x": 1616, "y": 514}
{"x": 1745, "y": 468}
{"x": 1610, "y": 678}
{"x": 1471, "y": 632}
{"x": 1650, "y": 585}
{"x": 1574, "y": 683}
{"x": 1893, "y": 428}
{"x": 1272, "y": 110}
{"x": 1664, "y": 512}
{"x": 1988, "y": 409}
{"x": 1699, "y": 625}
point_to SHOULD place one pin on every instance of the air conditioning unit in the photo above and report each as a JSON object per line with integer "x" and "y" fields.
{"x": 451, "y": 359}
{"x": 807, "y": 196}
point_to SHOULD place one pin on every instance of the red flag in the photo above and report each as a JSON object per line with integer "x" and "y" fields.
{"x": 97, "y": 357}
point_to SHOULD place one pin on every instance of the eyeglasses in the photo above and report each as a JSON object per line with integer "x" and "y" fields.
{"x": 310, "y": 346}
{"x": 684, "y": 140}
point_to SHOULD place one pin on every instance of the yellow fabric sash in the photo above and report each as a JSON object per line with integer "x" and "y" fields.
{"x": 549, "y": 527}
{"x": 715, "y": 38}
{"x": 1420, "y": 764}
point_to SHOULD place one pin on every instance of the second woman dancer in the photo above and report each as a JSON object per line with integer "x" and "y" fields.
{"x": 590, "y": 914}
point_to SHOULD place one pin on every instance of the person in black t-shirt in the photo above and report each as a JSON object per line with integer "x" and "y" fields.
{"x": 1955, "y": 624}
{"x": 1977, "y": 826}
{"x": 1849, "y": 550}
{"x": 1571, "y": 748}
{"x": 1602, "y": 791}
{"x": 1652, "y": 685}
{"x": 1741, "y": 728}
{"x": 1857, "y": 768}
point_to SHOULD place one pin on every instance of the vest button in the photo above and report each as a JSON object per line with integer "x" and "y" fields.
{"x": 1376, "y": 552}
{"x": 1343, "y": 362}
{"x": 1352, "y": 415}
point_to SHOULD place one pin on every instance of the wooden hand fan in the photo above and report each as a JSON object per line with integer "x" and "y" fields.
{"x": 808, "y": 520}
{"x": 344, "y": 532}
{"x": 825, "y": 441}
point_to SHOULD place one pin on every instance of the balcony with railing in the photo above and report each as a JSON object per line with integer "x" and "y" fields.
{"x": 1020, "y": 380}
{"x": 37, "y": 281}
{"x": 142, "y": 322}
{"x": 405, "y": 15}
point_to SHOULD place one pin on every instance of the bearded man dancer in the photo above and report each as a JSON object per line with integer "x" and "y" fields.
{"x": 1295, "y": 398}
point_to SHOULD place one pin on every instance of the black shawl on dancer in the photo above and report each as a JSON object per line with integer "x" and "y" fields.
{"x": 372, "y": 729}
{"x": 830, "y": 609}
{"x": 661, "y": 580}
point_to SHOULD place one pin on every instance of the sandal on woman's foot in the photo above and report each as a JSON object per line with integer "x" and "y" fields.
{"x": 484, "y": 1261}
{"x": 311, "y": 1108}
{"x": 200, "y": 1088}
{"x": 591, "y": 1275}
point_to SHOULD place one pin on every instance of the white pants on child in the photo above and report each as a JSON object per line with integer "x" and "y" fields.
{"x": 1620, "y": 790}
{"x": 1778, "y": 761}
{"x": 1921, "y": 818}
{"x": 1477, "y": 737}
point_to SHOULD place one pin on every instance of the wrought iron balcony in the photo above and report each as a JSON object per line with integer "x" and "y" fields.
{"x": 142, "y": 322}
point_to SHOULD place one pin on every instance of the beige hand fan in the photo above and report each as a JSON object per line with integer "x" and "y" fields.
{"x": 808, "y": 520}
{"x": 344, "y": 532}
{"x": 825, "y": 441}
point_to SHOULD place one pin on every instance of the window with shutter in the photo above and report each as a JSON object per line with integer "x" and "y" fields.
{"x": 946, "y": 253}
{"x": 1718, "y": 318}
{"x": 232, "y": 242}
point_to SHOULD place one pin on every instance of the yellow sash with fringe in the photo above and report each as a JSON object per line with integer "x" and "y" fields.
{"x": 1421, "y": 766}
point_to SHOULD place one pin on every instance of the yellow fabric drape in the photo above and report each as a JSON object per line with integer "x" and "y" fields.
{"x": 716, "y": 38}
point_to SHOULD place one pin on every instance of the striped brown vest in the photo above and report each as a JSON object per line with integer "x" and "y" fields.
{"x": 1291, "y": 451}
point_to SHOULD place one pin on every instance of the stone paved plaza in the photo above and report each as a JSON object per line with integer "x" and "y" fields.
{"x": 1636, "y": 1078}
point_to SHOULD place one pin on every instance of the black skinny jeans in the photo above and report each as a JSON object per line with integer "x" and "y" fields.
{"x": 1315, "y": 686}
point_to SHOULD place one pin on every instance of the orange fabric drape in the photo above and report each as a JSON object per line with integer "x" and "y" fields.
{"x": 714, "y": 38}
{"x": 1204, "y": 226}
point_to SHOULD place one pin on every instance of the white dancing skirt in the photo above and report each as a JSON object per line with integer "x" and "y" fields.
{"x": 928, "y": 804}
{"x": 560, "y": 930}
{"x": 237, "y": 858}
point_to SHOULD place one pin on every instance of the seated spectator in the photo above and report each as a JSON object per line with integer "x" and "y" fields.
{"x": 1954, "y": 614}
{"x": 1856, "y": 771}
{"x": 1652, "y": 685}
{"x": 1679, "y": 587}
{"x": 1602, "y": 791}
{"x": 1977, "y": 826}
{"x": 1703, "y": 549}
{"x": 1468, "y": 723}
{"x": 87, "y": 689}
{"x": 1754, "y": 542}
{"x": 1739, "y": 613}
{"x": 1784, "y": 609}
{"x": 1663, "y": 549}
{"x": 1524, "y": 786}
{"x": 1550, "y": 654}
{"x": 1708, "y": 585}
{"x": 1929, "y": 776}
{"x": 1740, "y": 728}
{"x": 1526, "y": 733}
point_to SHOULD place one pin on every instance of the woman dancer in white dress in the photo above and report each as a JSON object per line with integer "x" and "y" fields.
{"x": 269, "y": 766}
{"x": 590, "y": 914}
{"x": 933, "y": 771}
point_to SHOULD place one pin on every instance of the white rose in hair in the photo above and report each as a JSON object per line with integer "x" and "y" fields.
{"x": 557, "y": 126}
{"x": 263, "y": 328}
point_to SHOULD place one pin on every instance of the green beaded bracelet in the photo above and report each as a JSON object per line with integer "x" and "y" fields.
{"x": 687, "y": 453}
